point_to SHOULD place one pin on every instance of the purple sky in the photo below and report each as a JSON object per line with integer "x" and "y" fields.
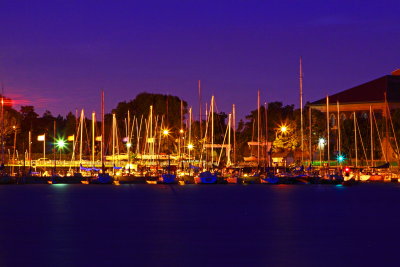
{"x": 57, "y": 55}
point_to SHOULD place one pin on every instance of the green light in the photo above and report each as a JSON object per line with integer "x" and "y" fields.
{"x": 61, "y": 143}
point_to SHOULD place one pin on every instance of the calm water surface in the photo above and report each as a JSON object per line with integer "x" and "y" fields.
{"x": 199, "y": 225}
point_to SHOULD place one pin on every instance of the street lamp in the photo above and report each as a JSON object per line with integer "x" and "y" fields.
{"x": 321, "y": 145}
{"x": 61, "y": 143}
{"x": 283, "y": 129}
{"x": 190, "y": 147}
{"x": 166, "y": 133}
{"x": 340, "y": 158}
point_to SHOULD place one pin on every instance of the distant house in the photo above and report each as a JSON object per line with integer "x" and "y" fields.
{"x": 379, "y": 96}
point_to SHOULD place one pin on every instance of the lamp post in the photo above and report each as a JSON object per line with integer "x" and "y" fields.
{"x": 321, "y": 145}
{"x": 42, "y": 138}
{"x": 128, "y": 146}
{"x": 61, "y": 143}
{"x": 190, "y": 148}
{"x": 181, "y": 137}
{"x": 166, "y": 134}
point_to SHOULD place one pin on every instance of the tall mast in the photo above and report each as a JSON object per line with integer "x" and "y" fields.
{"x": 181, "y": 135}
{"x": 93, "y": 134}
{"x": 372, "y": 140}
{"x": 338, "y": 125}
{"x": 54, "y": 145}
{"x": 327, "y": 128}
{"x": 229, "y": 139}
{"x": 234, "y": 132}
{"x": 113, "y": 137}
{"x": 212, "y": 131}
{"x": 81, "y": 137}
{"x": 200, "y": 127}
{"x": 301, "y": 109}
{"x": 190, "y": 132}
{"x": 266, "y": 158}
{"x": 129, "y": 144}
{"x": 150, "y": 132}
{"x": 387, "y": 113}
{"x": 310, "y": 133}
{"x": 258, "y": 128}
{"x": 30, "y": 148}
{"x": 355, "y": 137}
{"x": 102, "y": 131}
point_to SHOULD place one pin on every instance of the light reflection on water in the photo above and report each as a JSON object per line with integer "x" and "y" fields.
{"x": 253, "y": 225}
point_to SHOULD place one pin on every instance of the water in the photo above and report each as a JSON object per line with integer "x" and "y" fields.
{"x": 199, "y": 225}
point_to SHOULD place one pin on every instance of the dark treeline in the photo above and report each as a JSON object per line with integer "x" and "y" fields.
{"x": 170, "y": 109}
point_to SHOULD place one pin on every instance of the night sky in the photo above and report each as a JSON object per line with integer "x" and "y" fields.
{"x": 57, "y": 55}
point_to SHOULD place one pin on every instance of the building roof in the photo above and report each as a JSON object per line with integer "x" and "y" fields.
{"x": 373, "y": 91}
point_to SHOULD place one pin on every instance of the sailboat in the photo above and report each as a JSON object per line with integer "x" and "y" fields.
{"x": 103, "y": 177}
{"x": 207, "y": 177}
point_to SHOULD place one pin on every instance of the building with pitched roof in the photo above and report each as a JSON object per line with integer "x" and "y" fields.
{"x": 379, "y": 96}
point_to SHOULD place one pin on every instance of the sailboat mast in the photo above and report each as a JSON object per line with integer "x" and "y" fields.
{"x": 181, "y": 131}
{"x": 372, "y": 140}
{"x": 258, "y": 128}
{"x": 355, "y": 138}
{"x": 310, "y": 133}
{"x": 54, "y": 146}
{"x": 113, "y": 137}
{"x": 30, "y": 148}
{"x": 266, "y": 159}
{"x": 129, "y": 144}
{"x": 229, "y": 139}
{"x": 301, "y": 110}
{"x": 81, "y": 137}
{"x": 102, "y": 131}
{"x": 212, "y": 131}
{"x": 338, "y": 125}
{"x": 327, "y": 128}
{"x": 200, "y": 127}
{"x": 190, "y": 132}
{"x": 234, "y": 132}
{"x": 386, "y": 113}
{"x": 93, "y": 134}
